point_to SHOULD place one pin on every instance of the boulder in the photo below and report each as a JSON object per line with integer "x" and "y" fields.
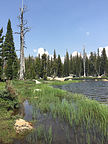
{"x": 22, "y": 125}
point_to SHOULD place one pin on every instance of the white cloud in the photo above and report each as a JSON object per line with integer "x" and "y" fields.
{"x": 75, "y": 53}
{"x": 42, "y": 51}
{"x": 62, "y": 59}
{"x": 34, "y": 50}
{"x": 101, "y": 48}
{"x": 87, "y": 33}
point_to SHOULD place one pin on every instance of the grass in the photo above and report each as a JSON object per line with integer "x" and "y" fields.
{"x": 75, "y": 109}
{"x": 2, "y": 86}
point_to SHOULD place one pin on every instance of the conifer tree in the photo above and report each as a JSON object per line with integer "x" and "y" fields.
{"x": 87, "y": 66}
{"x": 66, "y": 65}
{"x": 1, "y": 53}
{"x": 98, "y": 60}
{"x": 38, "y": 66}
{"x": 103, "y": 61}
{"x": 54, "y": 66}
{"x": 71, "y": 64}
{"x": 48, "y": 66}
{"x": 59, "y": 67}
{"x": 92, "y": 70}
{"x": 44, "y": 66}
{"x": 9, "y": 55}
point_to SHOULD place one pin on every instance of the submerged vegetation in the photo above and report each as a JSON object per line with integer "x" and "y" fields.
{"x": 82, "y": 120}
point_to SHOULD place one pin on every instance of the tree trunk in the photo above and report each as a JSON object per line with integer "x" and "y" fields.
{"x": 22, "y": 60}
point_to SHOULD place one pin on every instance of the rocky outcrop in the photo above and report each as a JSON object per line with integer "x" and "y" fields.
{"x": 22, "y": 125}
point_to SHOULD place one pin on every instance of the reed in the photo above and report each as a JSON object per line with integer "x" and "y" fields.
{"x": 75, "y": 109}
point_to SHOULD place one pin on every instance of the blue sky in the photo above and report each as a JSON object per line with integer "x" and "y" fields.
{"x": 59, "y": 24}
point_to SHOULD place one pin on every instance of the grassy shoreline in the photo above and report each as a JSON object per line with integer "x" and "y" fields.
{"x": 74, "y": 109}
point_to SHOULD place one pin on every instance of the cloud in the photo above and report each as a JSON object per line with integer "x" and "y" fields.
{"x": 62, "y": 59}
{"x": 87, "y": 33}
{"x": 75, "y": 53}
{"x": 101, "y": 48}
{"x": 42, "y": 51}
{"x": 34, "y": 50}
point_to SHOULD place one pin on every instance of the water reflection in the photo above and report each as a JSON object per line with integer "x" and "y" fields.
{"x": 27, "y": 110}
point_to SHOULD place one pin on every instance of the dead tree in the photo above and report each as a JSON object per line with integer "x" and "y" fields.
{"x": 84, "y": 60}
{"x": 23, "y": 30}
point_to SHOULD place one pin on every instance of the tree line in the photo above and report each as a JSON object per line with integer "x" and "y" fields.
{"x": 45, "y": 66}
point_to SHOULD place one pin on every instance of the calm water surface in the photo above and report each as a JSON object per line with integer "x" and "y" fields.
{"x": 97, "y": 90}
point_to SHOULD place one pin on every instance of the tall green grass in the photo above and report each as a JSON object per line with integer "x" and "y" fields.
{"x": 75, "y": 109}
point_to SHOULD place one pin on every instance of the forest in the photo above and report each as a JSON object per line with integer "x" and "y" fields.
{"x": 44, "y": 66}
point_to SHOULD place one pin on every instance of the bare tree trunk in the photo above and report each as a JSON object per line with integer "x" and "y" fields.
{"x": 84, "y": 60}
{"x": 22, "y": 60}
{"x": 23, "y": 30}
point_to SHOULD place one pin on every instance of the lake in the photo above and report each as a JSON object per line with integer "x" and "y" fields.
{"x": 97, "y": 90}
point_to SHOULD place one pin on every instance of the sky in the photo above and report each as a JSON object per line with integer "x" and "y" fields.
{"x": 63, "y": 25}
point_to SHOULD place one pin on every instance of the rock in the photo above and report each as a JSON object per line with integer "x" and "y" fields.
{"x": 59, "y": 79}
{"x": 22, "y": 125}
{"x": 50, "y": 78}
{"x": 37, "y": 90}
{"x": 37, "y": 82}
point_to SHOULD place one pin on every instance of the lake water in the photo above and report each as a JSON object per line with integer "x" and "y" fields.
{"x": 97, "y": 90}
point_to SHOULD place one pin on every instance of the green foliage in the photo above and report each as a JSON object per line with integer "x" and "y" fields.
{"x": 103, "y": 62}
{"x": 44, "y": 67}
{"x": 30, "y": 68}
{"x": 59, "y": 67}
{"x": 95, "y": 65}
{"x": 66, "y": 65}
{"x": 1, "y": 53}
{"x": 10, "y": 65}
{"x": 7, "y": 120}
{"x": 54, "y": 65}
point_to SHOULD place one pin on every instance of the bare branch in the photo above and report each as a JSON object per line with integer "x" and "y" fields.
{"x": 25, "y": 47}
{"x": 17, "y": 33}
{"x": 17, "y": 50}
{"x": 26, "y": 31}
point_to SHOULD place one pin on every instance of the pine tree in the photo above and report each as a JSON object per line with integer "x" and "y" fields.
{"x": 59, "y": 67}
{"x": 48, "y": 66}
{"x": 92, "y": 64}
{"x": 71, "y": 64}
{"x": 87, "y": 66}
{"x": 54, "y": 65}
{"x": 103, "y": 61}
{"x": 9, "y": 54}
{"x": 30, "y": 68}
{"x": 107, "y": 67}
{"x": 38, "y": 66}
{"x": 98, "y": 60}
{"x": 66, "y": 65}
{"x": 1, "y": 53}
{"x": 44, "y": 66}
